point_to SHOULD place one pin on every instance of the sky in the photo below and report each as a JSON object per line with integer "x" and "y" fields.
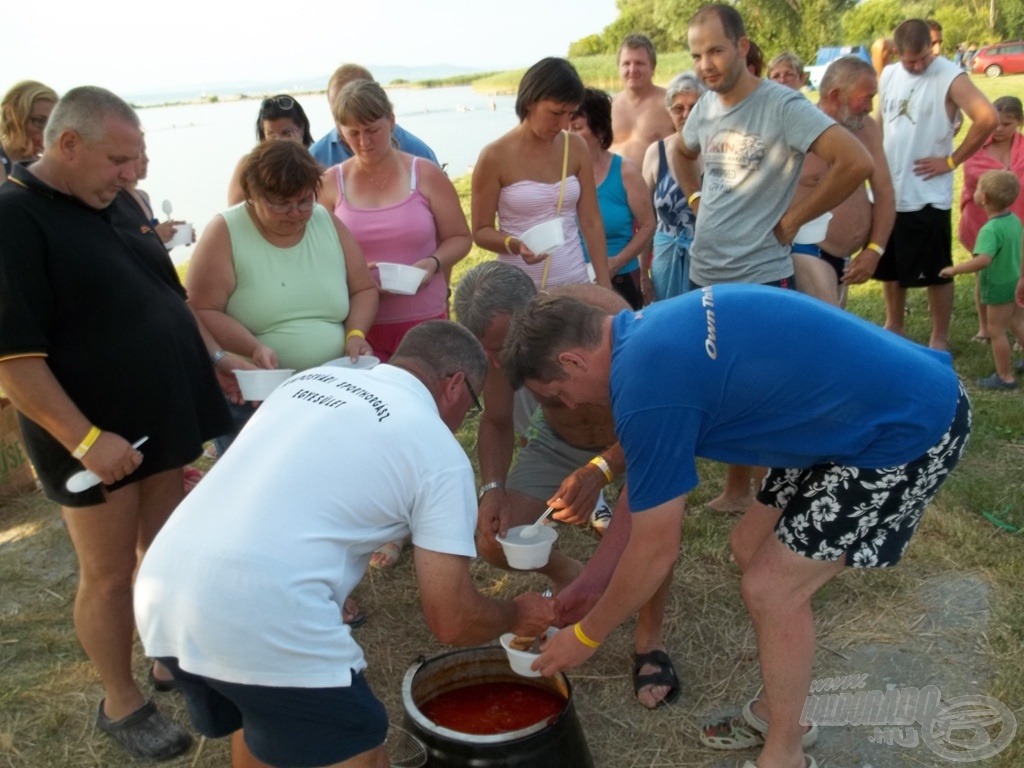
{"x": 136, "y": 48}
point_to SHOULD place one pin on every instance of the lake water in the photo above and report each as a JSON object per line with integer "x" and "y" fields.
{"x": 193, "y": 148}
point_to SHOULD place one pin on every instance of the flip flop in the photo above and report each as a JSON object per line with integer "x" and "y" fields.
{"x": 159, "y": 684}
{"x": 731, "y": 732}
{"x": 666, "y": 675}
{"x": 386, "y": 556}
{"x": 356, "y": 618}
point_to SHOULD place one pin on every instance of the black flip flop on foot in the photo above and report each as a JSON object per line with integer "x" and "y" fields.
{"x": 666, "y": 675}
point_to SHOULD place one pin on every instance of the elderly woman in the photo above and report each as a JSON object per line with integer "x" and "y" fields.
{"x": 24, "y": 111}
{"x": 400, "y": 209}
{"x": 622, "y": 196}
{"x": 279, "y": 279}
{"x": 537, "y": 172}
{"x": 280, "y": 117}
{"x": 673, "y": 237}
{"x": 787, "y": 69}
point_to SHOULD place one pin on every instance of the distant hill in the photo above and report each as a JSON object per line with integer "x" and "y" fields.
{"x": 383, "y": 73}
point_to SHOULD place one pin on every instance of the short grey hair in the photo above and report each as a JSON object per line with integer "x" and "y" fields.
{"x": 842, "y": 73}
{"x": 84, "y": 111}
{"x": 491, "y": 289}
{"x": 439, "y": 348}
{"x": 787, "y": 57}
{"x": 684, "y": 82}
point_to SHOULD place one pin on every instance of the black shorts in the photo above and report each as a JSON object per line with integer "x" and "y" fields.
{"x": 286, "y": 726}
{"x": 867, "y": 516}
{"x": 786, "y": 282}
{"x": 920, "y": 246}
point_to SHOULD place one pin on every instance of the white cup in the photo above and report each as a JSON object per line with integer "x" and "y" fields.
{"x": 257, "y": 385}
{"x": 527, "y": 554}
{"x": 400, "y": 278}
{"x": 813, "y": 231}
{"x": 545, "y": 237}
{"x": 183, "y": 235}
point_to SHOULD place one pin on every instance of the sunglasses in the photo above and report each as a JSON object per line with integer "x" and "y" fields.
{"x": 477, "y": 407}
{"x": 286, "y": 103}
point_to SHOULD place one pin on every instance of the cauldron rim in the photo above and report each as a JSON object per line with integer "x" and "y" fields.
{"x": 413, "y": 711}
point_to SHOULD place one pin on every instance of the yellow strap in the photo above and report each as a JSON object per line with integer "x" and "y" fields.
{"x": 561, "y": 197}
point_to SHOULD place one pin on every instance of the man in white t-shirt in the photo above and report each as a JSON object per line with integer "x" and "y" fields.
{"x": 920, "y": 97}
{"x": 241, "y": 593}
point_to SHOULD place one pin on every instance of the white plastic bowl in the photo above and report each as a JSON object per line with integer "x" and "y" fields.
{"x": 544, "y": 237}
{"x": 362, "y": 362}
{"x": 520, "y": 661}
{"x": 813, "y": 231}
{"x": 257, "y": 385}
{"x": 400, "y": 278}
{"x": 527, "y": 554}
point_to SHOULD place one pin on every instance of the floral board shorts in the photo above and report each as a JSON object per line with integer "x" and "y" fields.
{"x": 867, "y": 516}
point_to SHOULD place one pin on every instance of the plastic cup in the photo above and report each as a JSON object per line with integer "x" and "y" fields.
{"x": 527, "y": 554}
{"x": 520, "y": 661}
{"x": 813, "y": 231}
{"x": 544, "y": 237}
{"x": 183, "y": 234}
{"x": 257, "y": 385}
{"x": 400, "y": 278}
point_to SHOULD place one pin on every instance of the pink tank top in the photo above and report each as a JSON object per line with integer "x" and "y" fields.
{"x": 527, "y": 203}
{"x": 402, "y": 233}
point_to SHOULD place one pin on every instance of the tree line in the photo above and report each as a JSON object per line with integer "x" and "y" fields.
{"x": 803, "y": 26}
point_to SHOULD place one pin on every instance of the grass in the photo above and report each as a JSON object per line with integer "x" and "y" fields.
{"x": 952, "y": 614}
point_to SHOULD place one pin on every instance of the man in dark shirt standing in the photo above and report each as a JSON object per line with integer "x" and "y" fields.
{"x": 98, "y": 349}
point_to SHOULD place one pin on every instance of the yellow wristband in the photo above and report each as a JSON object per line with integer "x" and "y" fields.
{"x": 582, "y": 636}
{"x": 695, "y": 196}
{"x": 508, "y": 243}
{"x": 950, "y": 162}
{"x": 83, "y": 447}
{"x": 355, "y": 332}
{"x": 600, "y": 463}
{"x": 875, "y": 247}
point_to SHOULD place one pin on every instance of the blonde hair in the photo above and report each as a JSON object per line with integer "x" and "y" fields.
{"x": 1000, "y": 188}
{"x": 361, "y": 101}
{"x": 14, "y": 113}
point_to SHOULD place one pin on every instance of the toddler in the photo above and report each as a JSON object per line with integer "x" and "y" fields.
{"x": 997, "y": 255}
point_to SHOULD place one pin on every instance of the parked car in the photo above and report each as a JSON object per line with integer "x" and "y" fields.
{"x": 999, "y": 59}
{"x": 829, "y": 54}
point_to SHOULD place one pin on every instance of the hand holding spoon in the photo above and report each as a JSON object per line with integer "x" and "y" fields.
{"x": 531, "y": 530}
{"x": 86, "y": 479}
{"x": 167, "y": 209}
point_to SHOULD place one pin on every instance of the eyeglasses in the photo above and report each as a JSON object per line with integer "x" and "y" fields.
{"x": 477, "y": 407}
{"x": 287, "y": 133}
{"x": 304, "y": 206}
{"x": 287, "y": 103}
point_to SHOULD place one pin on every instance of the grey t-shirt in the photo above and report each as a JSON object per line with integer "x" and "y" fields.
{"x": 752, "y": 154}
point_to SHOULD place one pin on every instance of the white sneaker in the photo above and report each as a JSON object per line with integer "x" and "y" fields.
{"x": 602, "y": 515}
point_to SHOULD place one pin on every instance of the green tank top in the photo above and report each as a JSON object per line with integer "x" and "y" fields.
{"x": 294, "y": 300}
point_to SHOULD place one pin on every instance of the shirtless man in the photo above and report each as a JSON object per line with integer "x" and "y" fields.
{"x": 569, "y": 457}
{"x": 638, "y": 111}
{"x": 861, "y": 224}
{"x": 883, "y": 53}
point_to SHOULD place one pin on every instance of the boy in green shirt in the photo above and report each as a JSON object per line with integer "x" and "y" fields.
{"x": 997, "y": 255}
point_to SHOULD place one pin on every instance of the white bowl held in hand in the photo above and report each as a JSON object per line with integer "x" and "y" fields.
{"x": 362, "y": 362}
{"x": 520, "y": 661}
{"x": 545, "y": 237}
{"x": 813, "y": 231}
{"x": 400, "y": 278}
{"x": 526, "y": 554}
{"x": 257, "y": 385}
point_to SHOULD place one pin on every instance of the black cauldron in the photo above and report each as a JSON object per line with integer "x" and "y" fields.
{"x": 554, "y": 743}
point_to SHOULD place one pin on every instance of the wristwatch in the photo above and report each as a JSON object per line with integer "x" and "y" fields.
{"x": 494, "y": 484}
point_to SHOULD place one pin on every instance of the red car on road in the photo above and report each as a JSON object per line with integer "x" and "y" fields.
{"x": 999, "y": 59}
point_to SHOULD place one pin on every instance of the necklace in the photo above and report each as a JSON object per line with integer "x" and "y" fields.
{"x": 381, "y": 183}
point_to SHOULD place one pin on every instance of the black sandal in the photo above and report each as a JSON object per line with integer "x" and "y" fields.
{"x": 666, "y": 675}
{"x": 146, "y": 733}
{"x": 163, "y": 686}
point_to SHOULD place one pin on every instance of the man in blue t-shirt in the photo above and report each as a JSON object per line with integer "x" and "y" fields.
{"x": 752, "y": 375}
{"x": 330, "y": 149}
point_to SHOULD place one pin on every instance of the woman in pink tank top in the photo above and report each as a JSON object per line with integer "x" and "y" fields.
{"x": 399, "y": 208}
{"x": 538, "y": 172}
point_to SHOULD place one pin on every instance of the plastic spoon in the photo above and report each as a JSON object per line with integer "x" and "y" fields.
{"x": 167, "y": 209}
{"x": 531, "y": 530}
{"x": 86, "y": 479}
